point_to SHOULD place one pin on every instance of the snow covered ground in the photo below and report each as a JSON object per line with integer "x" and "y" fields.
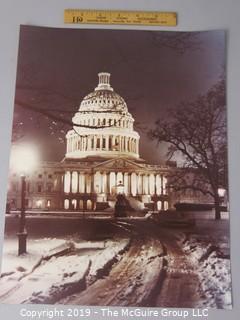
{"x": 33, "y": 278}
{"x": 37, "y": 248}
{"x": 212, "y": 264}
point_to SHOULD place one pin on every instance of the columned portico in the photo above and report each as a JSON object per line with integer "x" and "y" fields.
{"x": 103, "y": 182}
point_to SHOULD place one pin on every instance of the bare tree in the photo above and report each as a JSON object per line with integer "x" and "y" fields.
{"x": 197, "y": 131}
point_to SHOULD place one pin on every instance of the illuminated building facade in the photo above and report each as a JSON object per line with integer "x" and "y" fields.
{"x": 102, "y": 155}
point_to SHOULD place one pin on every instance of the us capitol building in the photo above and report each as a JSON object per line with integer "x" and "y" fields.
{"x": 102, "y": 159}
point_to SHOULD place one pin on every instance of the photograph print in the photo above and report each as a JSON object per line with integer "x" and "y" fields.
{"x": 118, "y": 177}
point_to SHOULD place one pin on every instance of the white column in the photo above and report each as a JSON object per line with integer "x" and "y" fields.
{"x": 80, "y": 183}
{"x": 74, "y": 181}
{"x": 113, "y": 141}
{"x": 139, "y": 183}
{"x": 104, "y": 182}
{"x": 145, "y": 184}
{"x": 67, "y": 182}
{"x": 97, "y": 182}
{"x": 87, "y": 179}
{"x": 161, "y": 184}
{"x": 151, "y": 184}
{"x": 158, "y": 184}
{"x": 125, "y": 182}
{"x": 164, "y": 185}
{"x": 89, "y": 143}
{"x": 133, "y": 184}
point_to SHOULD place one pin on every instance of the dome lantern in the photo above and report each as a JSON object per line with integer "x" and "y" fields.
{"x": 104, "y": 82}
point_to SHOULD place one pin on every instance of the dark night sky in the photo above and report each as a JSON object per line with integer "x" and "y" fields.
{"x": 58, "y": 67}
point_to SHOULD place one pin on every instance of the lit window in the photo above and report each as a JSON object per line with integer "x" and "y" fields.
{"x": 39, "y": 204}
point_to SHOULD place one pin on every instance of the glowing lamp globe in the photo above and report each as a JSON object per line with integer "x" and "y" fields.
{"x": 24, "y": 158}
{"x": 221, "y": 192}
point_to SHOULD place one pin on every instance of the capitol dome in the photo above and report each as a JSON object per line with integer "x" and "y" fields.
{"x": 103, "y": 97}
{"x": 103, "y": 126}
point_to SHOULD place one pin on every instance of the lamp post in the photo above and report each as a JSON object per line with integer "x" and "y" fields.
{"x": 22, "y": 234}
{"x": 23, "y": 160}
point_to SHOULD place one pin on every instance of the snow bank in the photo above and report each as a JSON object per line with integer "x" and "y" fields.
{"x": 18, "y": 265}
{"x": 214, "y": 274}
{"x": 103, "y": 260}
{"x": 54, "y": 279}
{"x": 51, "y": 281}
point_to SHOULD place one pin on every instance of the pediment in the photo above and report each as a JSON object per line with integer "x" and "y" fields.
{"x": 119, "y": 164}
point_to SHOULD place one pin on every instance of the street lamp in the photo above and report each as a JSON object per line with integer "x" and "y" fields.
{"x": 221, "y": 194}
{"x": 23, "y": 160}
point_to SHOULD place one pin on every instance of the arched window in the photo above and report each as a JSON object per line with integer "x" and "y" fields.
{"x": 165, "y": 205}
{"x": 159, "y": 205}
{"x": 74, "y": 204}
{"x": 66, "y": 204}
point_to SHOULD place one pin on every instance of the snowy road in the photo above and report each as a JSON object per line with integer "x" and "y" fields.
{"x": 147, "y": 275}
{"x": 135, "y": 262}
{"x": 180, "y": 288}
{"x": 130, "y": 282}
